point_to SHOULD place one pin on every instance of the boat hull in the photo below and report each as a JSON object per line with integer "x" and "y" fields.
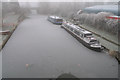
{"x": 82, "y": 41}
{"x": 54, "y": 22}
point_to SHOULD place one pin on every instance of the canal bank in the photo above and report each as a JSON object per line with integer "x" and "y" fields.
{"x": 10, "y": 23}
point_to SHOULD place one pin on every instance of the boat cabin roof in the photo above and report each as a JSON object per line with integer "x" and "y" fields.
{"x": 86, "y": 32}
{"x": 77, "y": 28}
{"x": 92, "y": 39}
{"x": 56, "y": 17}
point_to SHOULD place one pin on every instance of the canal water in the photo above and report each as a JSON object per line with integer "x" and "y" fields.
{"x": 40, "y": 49}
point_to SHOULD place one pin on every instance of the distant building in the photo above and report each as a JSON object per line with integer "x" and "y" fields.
{"x": 103, "y": 8}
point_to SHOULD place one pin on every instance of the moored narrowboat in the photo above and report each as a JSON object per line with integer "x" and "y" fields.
{"x": 55, "y": 20}
{"x": 83, "y": 36}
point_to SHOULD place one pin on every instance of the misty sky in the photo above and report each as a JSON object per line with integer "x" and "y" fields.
{"x": 63, "y": 0}
{"x": 36, "y": 4}
{"x": 71, "y": 0}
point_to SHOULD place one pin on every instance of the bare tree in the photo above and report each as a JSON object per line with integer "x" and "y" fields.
{"x": 99, "y": 21}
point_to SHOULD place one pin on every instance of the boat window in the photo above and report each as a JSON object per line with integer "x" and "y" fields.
{"x": 81, "y": 35}
{"x": 71, "y": 29}
{"x": 94, "y": 41}
{"x": 77, "y": 32}
{"x": 87, "y": 35}
{"x": 59, "y": 20}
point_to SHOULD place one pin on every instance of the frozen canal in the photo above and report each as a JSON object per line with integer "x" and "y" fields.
{"x": 40, "y": 49}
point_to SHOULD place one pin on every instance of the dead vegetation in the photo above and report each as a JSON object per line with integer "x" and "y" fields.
{"x": 99, "y": 21}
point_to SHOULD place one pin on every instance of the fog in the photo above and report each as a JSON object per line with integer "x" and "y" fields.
{"x": 67, "y": 0}
{"x": 60, "y": 8}
{"x": 63, "y": 9}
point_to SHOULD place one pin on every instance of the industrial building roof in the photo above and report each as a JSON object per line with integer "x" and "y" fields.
{"x": 103, "y": 8}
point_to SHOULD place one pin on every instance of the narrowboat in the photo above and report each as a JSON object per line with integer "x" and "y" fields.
{"x": 83, "y": 36}
{"x": 55, "y": 20}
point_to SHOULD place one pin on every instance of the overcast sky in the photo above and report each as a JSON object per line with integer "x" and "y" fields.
{"x": 35, "y": 4}
{"x": 62, "y": 0}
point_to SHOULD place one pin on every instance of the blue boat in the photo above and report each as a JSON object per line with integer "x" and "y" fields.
{"x": 55, "y": 20}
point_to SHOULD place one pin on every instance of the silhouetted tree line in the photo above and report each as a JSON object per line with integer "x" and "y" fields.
{"x": 13, "y": 7}
{"x": 69, "y": 10}
{"x": 8, "y": 7}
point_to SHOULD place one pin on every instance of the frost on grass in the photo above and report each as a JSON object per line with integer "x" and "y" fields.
{"x": 99, "y": 21}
